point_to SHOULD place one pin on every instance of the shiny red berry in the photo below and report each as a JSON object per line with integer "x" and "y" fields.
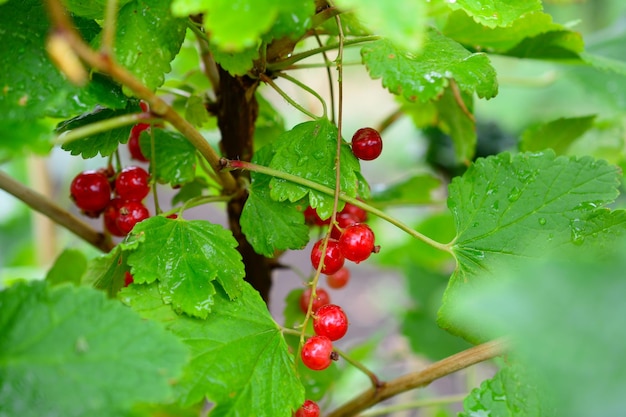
{"x": 357, "y": 242}
{"x": 358, "y": 212}
{"x": 110, "y": 215}
{"x": 367, "y": 144}
{"x": 91, "y": 192}
{"x": 308, "y": 409}
{"x": 343, "y": 220}
{"x": 321, "y": 298}
{"x": 132, "y": 184}
{"x": 128, "y": 279}
{"x": 333, "y": 260}
{"x": 330, "y": 321}
{"x": 133, "y": 142}
{"x": 317, "y": 353}
{"x": 339, "y": 279}
{"x": 131, "y": 213}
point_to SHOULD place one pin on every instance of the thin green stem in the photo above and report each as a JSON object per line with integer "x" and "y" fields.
{"x": 108, "y": 31}
{"x": 411, "y": 405}
{"x": 280, "y": 65}
{"x": 284, "y": 95}
{"x": 320, "y": 65}
{"x": 331, "y": 88}
{"x": 104, "y": 126}
{"x": 307, "y": 89}
{"x": 202, "y": 200}
{"x": 153, "y": 165}
{"x": 376, "y": 382}
{"x": 234, "y": 164}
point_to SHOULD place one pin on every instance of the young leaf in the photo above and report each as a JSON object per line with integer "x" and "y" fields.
{"x": 148, "y": 37}
{"x": 508, "y": 394}
{"x": 456, "y": 120}
{"x": 467, "y": 31}
{"x": 174, "y": 161}
{"x": 282, "y": 224}
{"x": 91, "y": 9}
{"x": 292, "y": 21}
{"x": 425, "y": 76}
{"x": 107, "y": 272}
{"x": 402, "y": 21}
{"x": 496, "y": 12}
{"x": 308, "y": 151}
{"x": 236, "y": 63}
{"x": 69, "y": 266}
{"x": 185, "y": 257}
{"x": 104, "y": 143}
{"x": 557, "y": 135}
{"x": 239, "y": 358}
{"x": 563, "y": 316}
{"x": 71, "y": 352}
{"x": 510, "y": 207}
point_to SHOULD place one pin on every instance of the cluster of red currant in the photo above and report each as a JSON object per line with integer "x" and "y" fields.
{"x": 117, "y": 197}
{"x": 352, "y": 239}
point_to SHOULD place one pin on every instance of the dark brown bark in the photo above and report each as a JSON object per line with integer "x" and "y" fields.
{"x": 237, "y": 113}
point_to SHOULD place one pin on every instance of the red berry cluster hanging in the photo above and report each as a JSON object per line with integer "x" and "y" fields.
{"x": 117, "y": 197}
{"x": 133, "y": 139}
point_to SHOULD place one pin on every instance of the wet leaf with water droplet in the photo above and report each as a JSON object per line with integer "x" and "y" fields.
{"x": 236, "y": 366}
{"x": 511, "y": 207}
{"x": 424, "y": 76}
{"x": 291, "y": 150}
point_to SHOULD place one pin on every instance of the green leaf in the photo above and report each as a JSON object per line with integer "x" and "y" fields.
{"x": 239, "y": 357}
{"x": 496, "y": 12}
{"x": 190, "y": 190}
{"x": 556, "y": 45}
{"x": 456, "y": 121}
{"x": 425, "y": 76}
{"x": 91, "y": 9}
{"x": 417, "y": 189}
{"x": 106, "y": 272}
{"x": 185, "y": 257}
{"x": 69, "y": 266}
{"x": 467, "y": 31}
{"x": 548, "y": 309}
{"x": 71, "y": 352}
{"x": 195, "y": 111}
{"x": 508, "y": 394}
{"x": 402, "y": 22}
{"x": 508, "y": 208}
{"x": 104, "y": 143}
{"x": 293, "y": 19}
{"x": 557, "y": 135}
{"x": 174, "y": 161}
{"x": 308, "y": 151}
{"x": 236, "y": 63}
{"x": 282, "y": 226}
{"x": 147, "y": 39}
{"x": 269, "y": 125}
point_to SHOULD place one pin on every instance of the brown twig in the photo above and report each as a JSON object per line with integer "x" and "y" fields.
{"x": 414, "y": 380}
{"x": 106, "y": 64}
{"x": 49, "y": 208}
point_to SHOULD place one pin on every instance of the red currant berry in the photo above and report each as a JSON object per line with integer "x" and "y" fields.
{"x": 330, "y": 321}
{"x": 133, "y": 142}
{"x": 132, "y": 184}
{"x": 91, "y": 192}
{"x": 111, "y": 213}
{"x": 333, "y": 260}
{"x": 316, "y": 353}
{"x": 358, "y": 212}
{"x": 321, "y": 298}
{"x": 144, "y": 106}
{"x": 343, "y": 220}
{"x": 367, "y": 144}
{"x": 173, "y": 216}
{"x": 308, "y": 409}
{"x": 131, "y": 213}
{"x": 311, "y": 217}
{"x": 357, "y": 242}
{"x": 128, "y": 279}
{"x": 339, "y": 279}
